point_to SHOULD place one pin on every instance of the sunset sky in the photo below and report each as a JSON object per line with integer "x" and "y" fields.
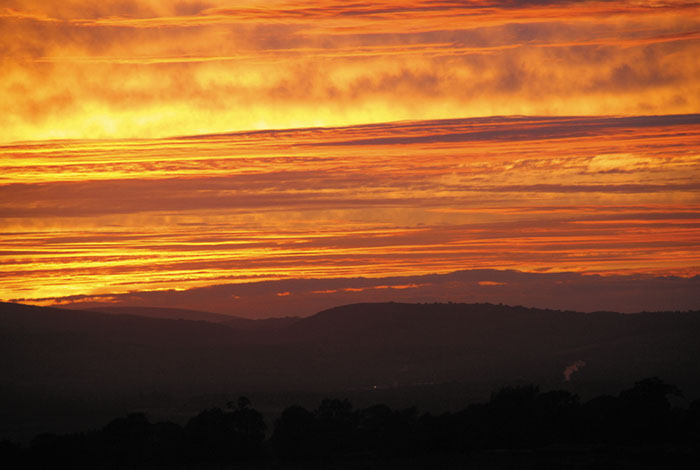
{"x": 157, "y": 147}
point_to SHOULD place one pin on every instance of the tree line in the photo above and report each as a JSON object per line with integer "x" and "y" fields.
{"x": 514, "y": 418}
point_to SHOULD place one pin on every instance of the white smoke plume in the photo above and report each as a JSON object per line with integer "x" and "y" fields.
{"x": 571, "y": 368}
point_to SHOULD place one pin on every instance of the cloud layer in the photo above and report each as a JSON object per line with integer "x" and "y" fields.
{"x": 393, "y": 164}
{"x": 108, "y": 69}
{"x": 584, "y": 194}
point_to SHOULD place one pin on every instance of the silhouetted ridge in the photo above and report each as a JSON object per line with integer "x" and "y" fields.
{"x": 478, "y": 325}
{"x": 167, "y": 313}
{"x": 97, "y": 326}
{"x": 366, "y": 348}
{"x": 235, "y": 322}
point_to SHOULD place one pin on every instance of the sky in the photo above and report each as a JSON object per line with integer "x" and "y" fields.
{"x": 152, "y": 150}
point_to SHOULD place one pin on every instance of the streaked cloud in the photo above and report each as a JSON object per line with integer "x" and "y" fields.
{"x": 585, "y": 194}
{"x": 156, "y": 146}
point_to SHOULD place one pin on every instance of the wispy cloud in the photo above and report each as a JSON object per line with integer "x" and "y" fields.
{"x": 156, "y": 68}
{"x": 379, "y": 172}
{"x": 596, "y": 195}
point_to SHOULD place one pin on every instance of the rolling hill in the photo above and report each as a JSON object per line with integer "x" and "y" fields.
{"x": 51, "y": 353}
{"x": 236, "y": 322}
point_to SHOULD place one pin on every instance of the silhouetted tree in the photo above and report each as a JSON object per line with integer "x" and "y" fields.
{"x": 248, "y": 427}
{"x": 555, "y": 414}
{"x": 72, "y": 450}
{"x": 646, "y": 410}
{"x": 125, "y": 440}
{"x": 224, "y": 436}
{"x": 241, "y": 403}
{"x": 600, "y": 419}
{"x": 11, "y": 455}
{"x": 166, "y": 443}
{"x": 296, "y": 434}
{"x": 640, "y": 419}
{"x": 337, "y": 424}
{"x": 512, "y": 417}
{"x": 387, "y": 432}
{"x": 691, "y": 424}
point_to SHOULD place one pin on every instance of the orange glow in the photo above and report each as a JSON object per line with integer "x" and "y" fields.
{"x": 136, "y": 152}
{"x": 108, "y": 69}
{"x": 595, "y": 195}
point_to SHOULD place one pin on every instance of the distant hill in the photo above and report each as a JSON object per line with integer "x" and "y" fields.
{"x": 51, "y": 323}
{"x": 49, "y": 352}
{"x": 167, "y": 313}
{"x": 435, "y": 343}
{"x": 263, "y": 324}
{"x": 238, "y": 323}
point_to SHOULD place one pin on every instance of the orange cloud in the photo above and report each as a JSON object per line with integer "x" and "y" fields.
{"x": 155, "y": 68}
{"x": 586, "y": 194}
{"x": 379, "y": 172}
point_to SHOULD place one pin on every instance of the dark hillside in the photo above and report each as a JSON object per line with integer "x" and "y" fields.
{"x": 52, "y": 355}
{"x": 167, "y": 313}
{"x": 235, "y": 322}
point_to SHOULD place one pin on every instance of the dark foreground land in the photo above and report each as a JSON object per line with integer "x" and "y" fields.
{"x": 519, "y": 427}
{"x": 64, "y": 372}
